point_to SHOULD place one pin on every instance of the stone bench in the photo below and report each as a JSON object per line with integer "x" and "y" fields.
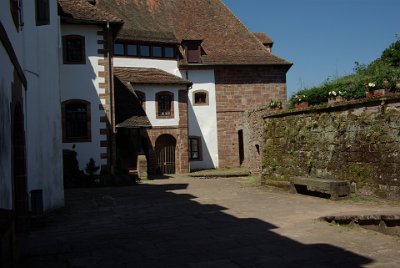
{"x": 334, "y": 188}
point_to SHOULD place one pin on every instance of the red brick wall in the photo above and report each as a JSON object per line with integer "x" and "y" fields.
{"x": 239, "y": 89}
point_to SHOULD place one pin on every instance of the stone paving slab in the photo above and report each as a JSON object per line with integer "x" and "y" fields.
{"x": 188, "y": 222}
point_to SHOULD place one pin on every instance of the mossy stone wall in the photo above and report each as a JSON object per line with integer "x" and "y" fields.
{"x": 356, "y": 141}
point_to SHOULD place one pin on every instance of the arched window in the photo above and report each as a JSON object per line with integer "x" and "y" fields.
{"x": 74, "y": 49}
{"x": 165, "y": 104}
{"x": 200, "y": 97}
{"x": 76, "y": 121}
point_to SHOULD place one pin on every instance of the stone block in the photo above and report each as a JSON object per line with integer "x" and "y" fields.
{"x": 335, "y": 188}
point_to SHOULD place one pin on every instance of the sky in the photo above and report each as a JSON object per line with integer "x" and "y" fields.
{"x": 322, "y": 38}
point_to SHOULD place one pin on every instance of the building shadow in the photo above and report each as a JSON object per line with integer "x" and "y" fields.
{"x": 150, "y": 226}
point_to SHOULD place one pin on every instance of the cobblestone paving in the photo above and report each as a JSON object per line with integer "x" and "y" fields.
{"x": 188, "y": 222}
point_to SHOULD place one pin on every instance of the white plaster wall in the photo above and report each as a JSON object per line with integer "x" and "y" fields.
{"x": 203, "y": 119}
{"x": 43, "y": 115}
{"x": 150, "y": 92}
{"x": 170, "y": 66}
{"x": 37, "y": 52}
{"x": 6, "y": 75}
{"x": 80, "y": 81}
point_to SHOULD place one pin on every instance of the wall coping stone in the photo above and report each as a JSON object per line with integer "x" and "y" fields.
{"x": 329, "y": 107}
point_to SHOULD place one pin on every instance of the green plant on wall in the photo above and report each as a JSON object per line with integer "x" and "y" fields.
{"x": 309, "y": 164}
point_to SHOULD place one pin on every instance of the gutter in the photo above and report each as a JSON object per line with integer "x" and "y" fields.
{"x": 111, "y": 98}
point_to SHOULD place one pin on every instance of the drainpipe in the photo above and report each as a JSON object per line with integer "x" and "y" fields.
{"x": 111, "y": 98}
{"x": 187, "y": 116}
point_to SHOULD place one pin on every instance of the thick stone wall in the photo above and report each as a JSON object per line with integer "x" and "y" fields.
{"x": 239, "y": 89}
{"x": 357, "y": 141}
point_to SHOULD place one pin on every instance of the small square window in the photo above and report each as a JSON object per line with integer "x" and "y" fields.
{"x": 132, "y": 50}
{"x": 169, "y": 52}
{"x": 157, "y": 51}
{"x": 200, "y": 97}
{"x": 145, "y": 51}
{"x": 119, "y": 49}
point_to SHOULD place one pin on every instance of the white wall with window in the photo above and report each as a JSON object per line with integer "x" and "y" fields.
{"x": 203, "y": 118}
{"x": 160, "y": 114}
{"x": 80, "y": 83}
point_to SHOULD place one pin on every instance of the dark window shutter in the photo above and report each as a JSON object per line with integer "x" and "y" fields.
{"x": 193, "y": 54}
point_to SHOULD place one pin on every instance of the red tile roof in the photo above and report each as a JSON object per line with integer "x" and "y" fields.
{"x": 82, "y": 11}
{"x": 136, "y": 121}
{"x": 225, "y": 39}
{"x": 148, "y": 76}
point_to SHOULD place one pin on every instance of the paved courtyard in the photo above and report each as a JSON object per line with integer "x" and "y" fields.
{"x": 189, "y": 222}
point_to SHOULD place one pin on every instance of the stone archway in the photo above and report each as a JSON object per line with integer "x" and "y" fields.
{"x": 165, "y": 152}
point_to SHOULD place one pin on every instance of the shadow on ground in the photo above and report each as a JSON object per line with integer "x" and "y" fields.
{"x": 150, "y": 226}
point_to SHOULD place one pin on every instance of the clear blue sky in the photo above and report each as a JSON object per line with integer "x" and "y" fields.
{"x": 323, "y": 38}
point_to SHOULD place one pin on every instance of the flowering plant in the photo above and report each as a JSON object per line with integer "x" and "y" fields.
{"x": 299, "y": 99}
{"x": 275, "y": 104}
{"x": 370, "y": 86}
{"x": 333, "y": 94}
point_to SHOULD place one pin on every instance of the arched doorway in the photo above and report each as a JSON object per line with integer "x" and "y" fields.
{"x": 20, "y": 188}
{"x": 165, "y": 153}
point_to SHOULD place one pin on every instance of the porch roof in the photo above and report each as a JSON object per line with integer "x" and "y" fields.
{"x": 149, "y": 76}
{"x": 136, "y": 121}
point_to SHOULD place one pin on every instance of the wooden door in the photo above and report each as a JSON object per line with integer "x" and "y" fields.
{"x": 165, "y": 151}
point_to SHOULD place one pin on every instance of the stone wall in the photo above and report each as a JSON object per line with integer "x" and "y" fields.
{"x": 357, "y": 141}
{"x": 239, "y": 89}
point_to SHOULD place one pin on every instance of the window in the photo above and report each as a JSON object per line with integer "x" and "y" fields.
{"x": 165, "y": 108}
{"x": 145, "y": 51}
{"x": 195, "y": 148}
{"x": 169, "y": 52}
{"x": 42, "y": 12}
{"x": 193, "y": 51}
{"x": 16, "y": 12}
{"x": 156, "y": 51}
{"x": 74, "y": 49}
{"x": 119, "y": 49}
{"x": 200, "y": 97}
{"x": 76, "y": 121}
{"x": 132, "y": 50}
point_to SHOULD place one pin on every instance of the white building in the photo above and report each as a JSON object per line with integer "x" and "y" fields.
{"x": 30, "y": 117}
{"x": 163, "y": 80}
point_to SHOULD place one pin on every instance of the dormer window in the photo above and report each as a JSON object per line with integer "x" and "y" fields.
{"x": 193, "y": 50}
